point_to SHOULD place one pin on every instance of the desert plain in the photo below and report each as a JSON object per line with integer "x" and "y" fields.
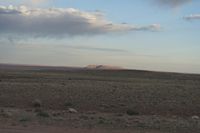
{"x": 35, "y": 99}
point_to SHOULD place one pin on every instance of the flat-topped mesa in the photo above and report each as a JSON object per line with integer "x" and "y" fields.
{"x": 103, "y": 67}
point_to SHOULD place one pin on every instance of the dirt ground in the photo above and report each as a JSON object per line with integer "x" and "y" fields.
{"x": 100, "y": 101}
{"x": 64, "y": 130}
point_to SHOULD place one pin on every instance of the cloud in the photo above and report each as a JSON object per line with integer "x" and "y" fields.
{"x": 172, "y": 3}
{"x": 38, "y": 1}
{"x": 98, "y": 49}
{"x": 192, "y": 17}
{"x": 59, "y": 22}
{"x": 35, "y": 3}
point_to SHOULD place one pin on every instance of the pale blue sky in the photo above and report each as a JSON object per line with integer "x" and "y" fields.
{"x": 173, "y": 47}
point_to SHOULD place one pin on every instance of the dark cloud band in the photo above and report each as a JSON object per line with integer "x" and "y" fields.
{"x": 192, "y": 17}
{"x": 172, "y": 3}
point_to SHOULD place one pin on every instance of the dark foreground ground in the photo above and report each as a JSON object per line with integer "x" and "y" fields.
{"x": 105, "y": 101}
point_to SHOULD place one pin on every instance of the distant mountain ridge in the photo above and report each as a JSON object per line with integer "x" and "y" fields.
{"x": 103, "y": 67}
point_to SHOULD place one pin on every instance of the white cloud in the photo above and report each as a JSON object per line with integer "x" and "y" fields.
{"x": 193, "y": 17}
{"x": 38, "y": 1}
{"x": 58, "y": 22}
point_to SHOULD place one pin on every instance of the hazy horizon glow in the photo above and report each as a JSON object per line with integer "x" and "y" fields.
{"x": 161, "y": 35}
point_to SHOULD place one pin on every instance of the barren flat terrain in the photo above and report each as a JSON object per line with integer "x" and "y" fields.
{"x": 33, "y": 99}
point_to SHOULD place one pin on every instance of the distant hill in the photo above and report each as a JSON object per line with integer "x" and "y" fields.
{"x": 103, "y": 67}
{"x": 35, "y": 67}
{"x": 38, "y": 67}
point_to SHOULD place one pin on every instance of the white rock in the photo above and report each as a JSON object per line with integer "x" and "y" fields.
{"x": 72, "y": 110}
{"x": 195, "y": 117}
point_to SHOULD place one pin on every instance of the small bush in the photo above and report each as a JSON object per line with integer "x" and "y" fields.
{"x": 24, "y": 119}
{"x": 43, "y": 114}
{"x": 132, "y": 112}
{"x": 36, "y": 110}
{"x": 37, "y": 103}
{"x": 84, "y": 117}
{"x": 68, "y": 104}
{"x": 101, "y": 121}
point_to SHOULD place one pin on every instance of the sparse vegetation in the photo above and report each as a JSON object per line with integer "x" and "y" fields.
{"x": 37, "y": 103}
{"x": 24, "y": 119}
{"x": 132, "y": 112}
{"x": 43, "y": 114}
{"x": 68, "y": 104}
{"x": 101, "y": 121}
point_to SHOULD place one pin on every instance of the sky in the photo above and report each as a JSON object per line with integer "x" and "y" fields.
{"x": 159, "y": 35}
